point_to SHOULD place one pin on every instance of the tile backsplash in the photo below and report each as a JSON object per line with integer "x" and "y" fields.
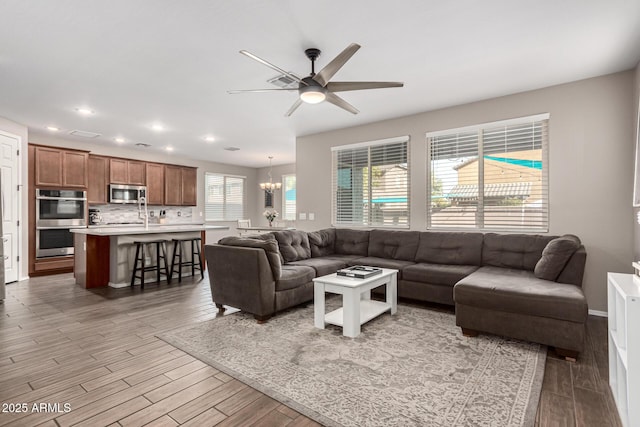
{"x": 129, "y": 213}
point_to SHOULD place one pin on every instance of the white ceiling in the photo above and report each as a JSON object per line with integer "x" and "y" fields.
{"x": 144, "y": 61}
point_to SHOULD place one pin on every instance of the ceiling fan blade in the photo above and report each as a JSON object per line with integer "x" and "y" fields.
{"x": 293, "y": 107}
{"x": 273, "y": 67}
{"x": 336, "y": 100}
{"x": 332, "y": 67}
{"x": 345, "y": 86}
{"x": 257, "y": 90}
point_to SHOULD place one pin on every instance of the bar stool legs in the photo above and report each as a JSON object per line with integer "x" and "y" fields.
{"x": 196, "y": 257}
{"x": 139, "y": 265}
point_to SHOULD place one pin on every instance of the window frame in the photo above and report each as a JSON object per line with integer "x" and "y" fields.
{"x": 406, "y": 139}
{"x": 479, "y": 128}
{"x": 225, "y": 201}
{"x": 284, "y": 197}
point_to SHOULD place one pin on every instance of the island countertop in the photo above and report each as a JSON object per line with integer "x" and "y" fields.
{"x": 152, "y": 229}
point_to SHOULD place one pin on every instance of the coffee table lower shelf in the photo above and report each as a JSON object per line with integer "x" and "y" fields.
{"x": 368, "y": 310}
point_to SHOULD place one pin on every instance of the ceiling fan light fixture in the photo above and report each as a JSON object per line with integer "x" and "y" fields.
{"x": 313, "y": 94}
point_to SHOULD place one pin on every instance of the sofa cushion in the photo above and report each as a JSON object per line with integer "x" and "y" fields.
{"x": 519, "y": 291}
{"x": 521, "y": 251}
{"x": 294, "y": 276}
{"x": 450, "y": 248}
{"x": 352, "y": 242}
{"x": 393, "y": 244}
{"x": 437, "y": 274}
{"x": 322, "y": 265}
{"x": 383, "y": 263}
{"x": 555, "y": 256}
{"x": 294, "y": 244}
{"x": 266, "y": 242}
{"x": 322, "y": 242}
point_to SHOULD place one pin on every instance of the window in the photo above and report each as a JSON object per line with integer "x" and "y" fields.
{"x": 224, "y": 197}
{"x": 289, "y": 197}
{"x": 370, "y": 184}
{"x": 491, "y": 177}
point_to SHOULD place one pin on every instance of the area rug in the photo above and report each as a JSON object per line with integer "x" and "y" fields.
{"x": 411, "y": 369}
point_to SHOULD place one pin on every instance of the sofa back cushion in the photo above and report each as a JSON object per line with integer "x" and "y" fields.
{"x": 520, "y": 251}
{"x": 266, "y": 242}
{"x": 400, "y": 245}
{"x": 450, "y": 248}
{"x": 352, "y": 242}
{"x": 294, "y": 244}
{"x": 555, "y": 256}
{"x": 322, "y": 242}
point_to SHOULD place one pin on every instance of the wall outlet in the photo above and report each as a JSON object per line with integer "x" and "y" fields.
{"x": 201, "y": 213}
{"x": 147, "y": 260}
{"x": 152, "y": 214}
{"x": 312, "y": 216}
{"x": 179, "y": 213}
{"x": 302, "y": 216}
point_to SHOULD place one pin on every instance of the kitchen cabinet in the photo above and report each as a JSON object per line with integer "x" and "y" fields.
{"x": 155, "y": 183}
{"x": 180, "y": 187}
{"x": 55, "y": 167}
{"x": 124, "y": 171}
{"x": 98, "y": 180}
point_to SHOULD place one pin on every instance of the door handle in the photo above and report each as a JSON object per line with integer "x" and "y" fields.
{"x": 5, "y": 239}
{"x": 6, "y": 257}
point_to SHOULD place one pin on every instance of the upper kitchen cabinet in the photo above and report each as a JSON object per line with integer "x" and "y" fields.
{"x": 155, "y": 183}
{"x": 98, "y": 180}
{"x": 55, "y": 167}
{"x": 180, "y": 187}
{"x": 123, "y": 171}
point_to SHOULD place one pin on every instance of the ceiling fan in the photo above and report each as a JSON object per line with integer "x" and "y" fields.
{"x": 316, "y": 88}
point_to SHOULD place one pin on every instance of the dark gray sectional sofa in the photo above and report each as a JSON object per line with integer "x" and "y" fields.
{"x": 521, "y": 286}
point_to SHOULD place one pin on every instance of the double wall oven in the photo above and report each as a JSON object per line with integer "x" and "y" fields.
{"x": 57, "y": 212}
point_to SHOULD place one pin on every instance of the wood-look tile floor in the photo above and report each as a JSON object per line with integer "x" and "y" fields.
{"x": 95, "y": 351}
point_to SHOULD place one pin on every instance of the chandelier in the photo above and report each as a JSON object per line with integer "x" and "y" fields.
{"x": 270, "y": 186}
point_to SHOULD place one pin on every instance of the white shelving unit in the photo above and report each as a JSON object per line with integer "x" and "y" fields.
{"x": 624, "y": 345}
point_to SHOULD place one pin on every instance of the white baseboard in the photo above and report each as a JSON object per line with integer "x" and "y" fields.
{"x": 598, "y": 313}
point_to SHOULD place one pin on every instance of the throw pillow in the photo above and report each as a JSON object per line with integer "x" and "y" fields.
{"x": 555, "y": 256}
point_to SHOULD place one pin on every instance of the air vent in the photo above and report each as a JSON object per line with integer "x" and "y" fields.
{"x": 142, "y": 144}
{"x": 283, "y": 81}
{"x": 231, "y": 148}
{"x": 84, "y": 134}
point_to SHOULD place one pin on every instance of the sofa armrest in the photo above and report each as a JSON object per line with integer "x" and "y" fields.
{"x": 241, "y": 277}
{"x": 573, "y": 272}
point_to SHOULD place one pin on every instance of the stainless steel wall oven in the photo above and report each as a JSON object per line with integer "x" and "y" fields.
{"x": 58, "y": 211}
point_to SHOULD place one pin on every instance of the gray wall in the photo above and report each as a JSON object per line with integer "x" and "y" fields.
{"x": 636, "y": 130}
{"x": 118, "y": 151}
{"x": 262, "y": 176}
{"x": 21, "y": 131}
{"x": 590, "y": 163}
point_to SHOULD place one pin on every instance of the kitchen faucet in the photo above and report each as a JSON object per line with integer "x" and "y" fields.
{"x": 142, "y": 201}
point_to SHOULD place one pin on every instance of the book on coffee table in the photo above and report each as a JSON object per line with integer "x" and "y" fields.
{"x": 359, "y": 271}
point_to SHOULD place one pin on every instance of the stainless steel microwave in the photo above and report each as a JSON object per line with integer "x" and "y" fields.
{"x": 126, "y": 193}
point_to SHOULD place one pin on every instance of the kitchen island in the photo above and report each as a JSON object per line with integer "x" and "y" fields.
{"x": 104, "y": 256}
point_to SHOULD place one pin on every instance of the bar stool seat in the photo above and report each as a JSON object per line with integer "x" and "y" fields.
{"x": 140, "y": 267}
{"x": 196, "y": 257}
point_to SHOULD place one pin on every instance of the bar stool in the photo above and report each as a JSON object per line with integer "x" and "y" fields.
{"x": 161, "y": 254}
{"x": 177, "y": 253}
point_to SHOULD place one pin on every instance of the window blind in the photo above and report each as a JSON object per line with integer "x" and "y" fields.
{"x": 224, "y": 197}
{"x": 370, "y": 184}
{"x": 494, "y": 177}
{"x": 289, "y": 197}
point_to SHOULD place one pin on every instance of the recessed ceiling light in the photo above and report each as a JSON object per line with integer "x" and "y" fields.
{"x": 169, "y": 148}
{"x": 84, "y": 111}
{"x": 119, "y": 140}
{"x": 157, "y": 127}
{"x": 209, "y": 138}
{"x": 53, "y": 128}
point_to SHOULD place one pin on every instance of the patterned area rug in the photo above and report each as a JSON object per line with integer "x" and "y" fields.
{"x": 411, "y": 369}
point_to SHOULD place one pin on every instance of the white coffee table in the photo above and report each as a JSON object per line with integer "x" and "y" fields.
{"x": 357, "y": 306}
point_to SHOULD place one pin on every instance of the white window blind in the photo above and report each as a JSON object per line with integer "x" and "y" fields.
{"x": 224, "y": 197}
{"x": 492, "y": 177}
{"x": 289, "y": 197}
{"x": 370, "y": 184}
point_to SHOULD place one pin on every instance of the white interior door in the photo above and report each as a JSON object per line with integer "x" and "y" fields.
{"x": 9, "y": 202}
